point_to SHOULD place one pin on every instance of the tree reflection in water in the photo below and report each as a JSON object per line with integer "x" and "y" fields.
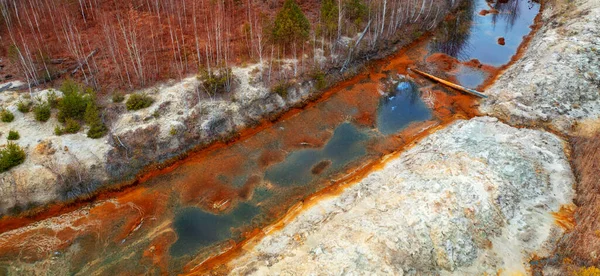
{"x": 453, "y": 34}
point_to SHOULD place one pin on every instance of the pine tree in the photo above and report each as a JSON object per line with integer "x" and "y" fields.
{"x": 356, "y": 11}
{"x": 92, "y": 118}
{"x": 329, "y": 16}
{"x": 290, "y": 24}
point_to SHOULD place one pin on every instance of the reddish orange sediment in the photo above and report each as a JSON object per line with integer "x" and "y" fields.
{"x": 582, "y": 242}
{"x": 152, "y": 171}
{"x": 219, "y": 263}
{"x": 565, "y": 217}
{"x": 446, "y": 107}
{"x": 462, "y": 106}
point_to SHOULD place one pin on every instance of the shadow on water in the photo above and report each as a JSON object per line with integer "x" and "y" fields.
{"x": 402, "y": 107}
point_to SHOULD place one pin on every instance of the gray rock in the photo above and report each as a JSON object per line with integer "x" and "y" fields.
{"x": 558, "y": 80}
{"x": 473, "y": 198}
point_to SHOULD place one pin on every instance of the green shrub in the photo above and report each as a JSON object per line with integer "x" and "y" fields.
{"x": 10, "y": 156}
{"x": 92, "y": 118}
{"x": 23, "y": 107}
{"x": 356, "y": 11}
{"x": 282, "y": 88}
{"x": 58, "y": 131}
{"x": 319, "y": 77}
{"x": 329, "y": 17}
{"x": 138, "y": 101}
{"x": 13, "y": 135}
{"x": 41, "y": 112}
{"x": 416, "y": 34}
{"x": 216, "y": 83}
{"x": 96, "y": 131}
{"x": 71, "y": 126}
{"x": 118, "y": 97}
{"x": 290, "y": 24}
{"x": 74, "y": 102}
{"x": 53, "y": 99}
{"x": 6, "y": 116}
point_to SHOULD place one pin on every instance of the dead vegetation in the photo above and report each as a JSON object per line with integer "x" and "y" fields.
{"x": 579, "y": 248}
{"x": 135, "y": 43}
{"x": 73, "y": 181}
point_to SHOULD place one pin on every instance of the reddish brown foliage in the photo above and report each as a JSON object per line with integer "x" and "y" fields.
{"x": 114, "y": 44}
{"x": 139, "y": 41}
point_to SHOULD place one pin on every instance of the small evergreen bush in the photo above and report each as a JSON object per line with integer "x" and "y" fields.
{"x": 216, "y": 83}
{"x": 282, "y": 88}
{"x": 71, "y": 126}
{"x": 319, "y": 77}
{"x": 138, "y": 101}
{"x": 53, "y": 99}
{"x": 23, "y": 107}
{"x": 41, "y": 112}
{"x": 10, "y": 156}
{"x": 13, "y": 135}
{"x": 74, "y": 102}
{"x": 92, "y": 118}
{"x": 58, "y": 131}
{"x": 118, "y": 97}
{"x": 6, "y": 116}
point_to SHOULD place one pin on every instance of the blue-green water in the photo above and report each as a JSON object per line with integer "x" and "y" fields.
{"x": 197, "y": 229}
{"x": 346, "y": 145}
{"x": 401, "y": 108}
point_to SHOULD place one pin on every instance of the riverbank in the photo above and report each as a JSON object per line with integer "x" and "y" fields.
{"x": 473, "y": 198}
{"x": 556, "y": 87}
{"x": 182, "y": 120}
{"x": 470, "y": 225}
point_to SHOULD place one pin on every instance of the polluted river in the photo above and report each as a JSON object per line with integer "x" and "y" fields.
{"x": 176, "y": 219}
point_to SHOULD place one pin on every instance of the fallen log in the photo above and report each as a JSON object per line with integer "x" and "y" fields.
{"x": 453, "y": 85}
{"x": 57, "y": 61}
{"x": 84, "y": 62}
{"x": 5, "y": 87}
{"x": 347, "y": 62}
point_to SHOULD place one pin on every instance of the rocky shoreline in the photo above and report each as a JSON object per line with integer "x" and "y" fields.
{"x": 557, "y": 81}
{"x": 484, "y": 195}
{"x": 473, "y": 198}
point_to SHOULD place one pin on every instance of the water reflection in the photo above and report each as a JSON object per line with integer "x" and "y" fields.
{"x": 402, "y": 107}
{"x": 471, "y": 35}
{"x": 451, "y": 38}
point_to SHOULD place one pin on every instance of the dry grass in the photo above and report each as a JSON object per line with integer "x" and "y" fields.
{"x": 582, "y": 245}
